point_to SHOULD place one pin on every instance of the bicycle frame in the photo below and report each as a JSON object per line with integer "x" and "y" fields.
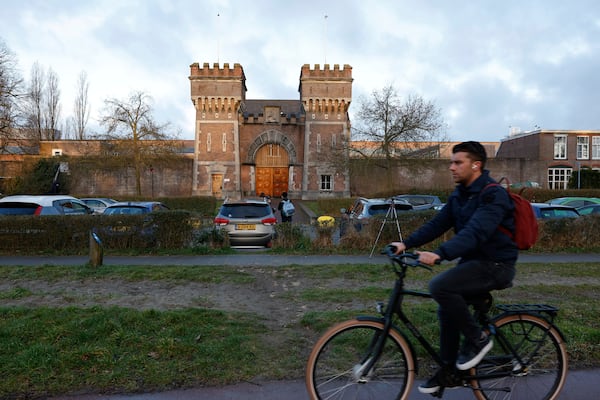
{"x": 394, "y": 306}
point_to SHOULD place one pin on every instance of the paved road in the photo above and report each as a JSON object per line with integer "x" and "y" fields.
{"x": 257, "y": 257}
{"x": 581, "y": 385}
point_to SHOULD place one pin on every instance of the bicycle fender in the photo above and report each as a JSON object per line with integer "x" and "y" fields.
{"x": 399, "y": 331}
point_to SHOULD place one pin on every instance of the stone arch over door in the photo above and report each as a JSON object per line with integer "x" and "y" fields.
{"x": 272, "y": 137}
{"x": 271, "y": 153}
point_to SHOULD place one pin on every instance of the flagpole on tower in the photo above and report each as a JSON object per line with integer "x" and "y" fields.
{"x": 218, "y": 38}
{"x": 325, "y": 37}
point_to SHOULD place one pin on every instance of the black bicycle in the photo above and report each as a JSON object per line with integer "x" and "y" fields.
{"x": 370, "y": 357}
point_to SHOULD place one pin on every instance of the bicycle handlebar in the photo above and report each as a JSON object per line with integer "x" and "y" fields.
{"x": 405, "y": 258}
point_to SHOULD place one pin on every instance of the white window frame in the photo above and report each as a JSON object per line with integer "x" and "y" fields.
{"x": 57, "y": 152}
{"x": 326, "y": 182}
{"x": 224, "y": 142}
{"x": 208, "y": 142}
{"x": 595, "y": 147}
{"x": 583, "y": 147}
{"x": 318, "y": 142}
{"x": 558, "y": 177}
{"x": 560, "y": 147}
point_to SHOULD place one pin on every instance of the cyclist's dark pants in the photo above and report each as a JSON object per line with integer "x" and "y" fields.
{"x": 448, "y": 288}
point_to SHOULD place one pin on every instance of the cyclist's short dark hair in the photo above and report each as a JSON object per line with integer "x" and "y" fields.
{"x": 475, "y": 150}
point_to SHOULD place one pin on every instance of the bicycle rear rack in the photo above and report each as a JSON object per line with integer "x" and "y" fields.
{"x": 528, "y": 308}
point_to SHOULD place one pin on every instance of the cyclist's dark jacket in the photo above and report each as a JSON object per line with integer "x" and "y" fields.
{"x": 475, "y": 217}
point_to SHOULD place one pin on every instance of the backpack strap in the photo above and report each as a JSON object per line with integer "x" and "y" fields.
{"x": 500, "y": 227}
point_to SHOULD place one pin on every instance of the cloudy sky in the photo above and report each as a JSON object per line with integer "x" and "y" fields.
{"x": 487, "y": 65}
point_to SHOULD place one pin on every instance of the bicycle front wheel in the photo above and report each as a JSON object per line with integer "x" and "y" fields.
{"x": 542, "y": 350}
{"x": 336, "y": 365}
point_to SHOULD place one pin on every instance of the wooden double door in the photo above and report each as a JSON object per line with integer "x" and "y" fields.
{"x": 272, "y": 170}
{"x": 272, "y": 181}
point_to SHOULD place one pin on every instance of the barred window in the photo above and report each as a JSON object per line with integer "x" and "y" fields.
{"x": 326, "y": 182}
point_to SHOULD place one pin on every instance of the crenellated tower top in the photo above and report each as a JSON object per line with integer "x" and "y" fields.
{"x": 217, "y": 72}
{"x": 326, "y": 72}
{"x": 326, "y": 90}
{"x": 217, "y": 89}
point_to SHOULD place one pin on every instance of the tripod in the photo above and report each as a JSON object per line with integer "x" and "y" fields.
{"x": 391, "y": 213}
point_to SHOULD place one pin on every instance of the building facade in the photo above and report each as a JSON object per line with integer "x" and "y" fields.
{"x": 558, "y": 152}
{"x": 248, "y": 147}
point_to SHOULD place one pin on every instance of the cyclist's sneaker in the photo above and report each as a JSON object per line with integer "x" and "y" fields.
{"x": 444, "y": 377}
{"x": 472, "y": 353}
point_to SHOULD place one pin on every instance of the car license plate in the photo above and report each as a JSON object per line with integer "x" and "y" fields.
{"x": 245, "y": 227}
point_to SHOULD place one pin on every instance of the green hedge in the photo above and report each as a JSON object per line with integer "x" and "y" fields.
{"x": 181, "y": 230}
{"x": 71, "y": 234}
{"x": 555, "y": 235}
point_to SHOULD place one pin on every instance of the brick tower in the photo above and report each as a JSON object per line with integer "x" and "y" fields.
{"x": 326, "y": 95}
{"x": 216, "y": 94}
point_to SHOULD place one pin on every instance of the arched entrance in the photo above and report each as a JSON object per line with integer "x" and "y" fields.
{"x": 272, "y": 169}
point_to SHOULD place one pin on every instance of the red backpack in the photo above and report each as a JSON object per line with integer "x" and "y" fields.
{"x": 526, "y": 225}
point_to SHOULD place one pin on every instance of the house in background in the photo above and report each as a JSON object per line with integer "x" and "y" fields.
{"x": 550, "y": 156}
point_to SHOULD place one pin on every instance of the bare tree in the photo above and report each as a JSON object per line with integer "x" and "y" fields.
{"x": 387, "y": 121}
{"x": 132, "y": 122}
{"x": 52, "y": 106}
{"x": 10, "y": 94}
{"x": 35, "y": 95}
{"x": 81, "y": 109}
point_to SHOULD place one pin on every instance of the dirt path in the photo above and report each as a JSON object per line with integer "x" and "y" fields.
{"x": 272, "y": 294}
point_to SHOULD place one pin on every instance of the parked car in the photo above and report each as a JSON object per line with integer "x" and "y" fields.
{"x": 98, "y": 204}
{"x": 43, "y": 205}
{"x": 247, "y": 222}
{"x": 574, "y": 201}
{"x": 422, "y": 201}
{"x": 589, "y": 209}
{"x": 131, "y": 229}
{"x": 545, "y": 210}
{"x": 134, "y": 207}
{"x": 364, "y": 209}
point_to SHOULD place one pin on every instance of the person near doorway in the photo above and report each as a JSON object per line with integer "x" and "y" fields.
{"x": 284, "y": 216}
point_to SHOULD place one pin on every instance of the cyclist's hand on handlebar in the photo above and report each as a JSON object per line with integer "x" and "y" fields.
{"x": 429, "y": 258}
{"x": 399, "y": 247}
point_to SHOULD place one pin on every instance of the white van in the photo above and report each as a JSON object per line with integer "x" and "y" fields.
{"x": 43, "y": 205}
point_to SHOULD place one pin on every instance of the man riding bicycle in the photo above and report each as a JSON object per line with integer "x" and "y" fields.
{"x": 487, "y": 259}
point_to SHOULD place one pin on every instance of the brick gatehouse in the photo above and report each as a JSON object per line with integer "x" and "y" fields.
{"x": 247, "y": 147}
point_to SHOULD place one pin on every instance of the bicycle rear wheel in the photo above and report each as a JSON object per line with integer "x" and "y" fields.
{"x": 542, "y": 350}
{"x": 334, "y": 366}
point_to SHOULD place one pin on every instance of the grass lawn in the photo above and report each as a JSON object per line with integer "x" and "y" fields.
{"x": 49, "y": 347}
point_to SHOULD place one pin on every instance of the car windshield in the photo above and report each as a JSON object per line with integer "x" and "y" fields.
{"x": 245, "y": 210}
